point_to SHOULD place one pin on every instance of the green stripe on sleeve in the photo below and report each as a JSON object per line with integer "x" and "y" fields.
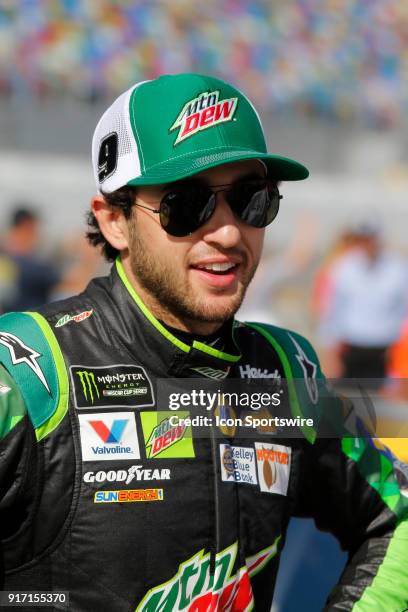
{"x": 388, "y": 591}
{"x": 377, "y": 469}
{"x": 309, "y": 432}
{"x": 63, "y": 386}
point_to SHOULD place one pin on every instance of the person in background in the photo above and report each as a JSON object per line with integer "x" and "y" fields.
{"x": 321, "y": 297}
{"x": 34, "y": 277}
{"x": 367, "y": 306}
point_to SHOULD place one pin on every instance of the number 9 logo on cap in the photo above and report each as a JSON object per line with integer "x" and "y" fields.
{"x": 108, "y": 156}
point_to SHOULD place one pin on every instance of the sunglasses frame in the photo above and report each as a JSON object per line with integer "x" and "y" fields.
{"x": 219, "y": 188}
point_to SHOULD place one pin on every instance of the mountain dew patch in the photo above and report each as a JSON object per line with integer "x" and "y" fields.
{"x": 166, "y": 440}
{"x": 78, "y": 318}
{"x": 203, "y": 112}
{"x": 195, "y": 589}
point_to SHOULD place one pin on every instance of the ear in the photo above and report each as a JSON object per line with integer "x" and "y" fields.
{"x": 112, "y": 223}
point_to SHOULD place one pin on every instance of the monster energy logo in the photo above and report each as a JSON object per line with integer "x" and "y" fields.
{"x": 89, "y": 385}
{"x": 113, "y": 385}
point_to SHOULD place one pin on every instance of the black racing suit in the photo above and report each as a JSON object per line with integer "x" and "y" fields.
{"x": 106, "y": 497}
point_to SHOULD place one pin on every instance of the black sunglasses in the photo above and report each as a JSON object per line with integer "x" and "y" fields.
{"x": 189, "y": 205}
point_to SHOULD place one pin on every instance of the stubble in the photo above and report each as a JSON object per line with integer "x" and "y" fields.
{"x": 171, "y": 294}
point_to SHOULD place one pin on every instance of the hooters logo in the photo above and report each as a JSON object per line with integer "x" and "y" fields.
{"x": 203, "y": 112}
{"x": 273, "y": 463}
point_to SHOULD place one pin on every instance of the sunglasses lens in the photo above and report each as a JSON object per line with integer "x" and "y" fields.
{"x": 185, "y": 209}
{"x": 189, "y": 206}
{"x": 255, "y": 202}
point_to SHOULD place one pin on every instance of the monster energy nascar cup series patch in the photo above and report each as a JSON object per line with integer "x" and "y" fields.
{"x": 111, "y": 386}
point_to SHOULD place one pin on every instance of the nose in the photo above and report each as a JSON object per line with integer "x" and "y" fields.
{"x": 223, "y": 226}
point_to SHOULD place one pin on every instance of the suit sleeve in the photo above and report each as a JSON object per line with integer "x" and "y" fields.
{"x": 356, "y": 489}
{"x": 17, "y": 457}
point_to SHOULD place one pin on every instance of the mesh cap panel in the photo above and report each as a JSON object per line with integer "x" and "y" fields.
{"x": 116, "y": 121}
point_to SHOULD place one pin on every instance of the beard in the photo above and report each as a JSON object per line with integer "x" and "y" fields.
{"x": 171, "y": 294}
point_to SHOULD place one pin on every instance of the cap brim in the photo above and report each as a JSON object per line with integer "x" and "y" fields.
{"x": 279, "y": 168}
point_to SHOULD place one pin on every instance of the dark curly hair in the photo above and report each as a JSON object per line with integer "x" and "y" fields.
{"x": 122, "y": 198}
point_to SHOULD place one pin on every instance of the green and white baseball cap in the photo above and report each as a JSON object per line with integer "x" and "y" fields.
{"x": 169, "y": 128}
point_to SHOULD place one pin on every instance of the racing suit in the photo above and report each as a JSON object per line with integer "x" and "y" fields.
{"x": 103, "y": 496}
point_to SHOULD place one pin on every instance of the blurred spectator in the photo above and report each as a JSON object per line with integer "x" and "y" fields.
{"x": 33, "y": 277}
{"x": 322, "y": 295}
{"x": 80, "y": 263}
{"x": 323, "y": 283}
{"x": 367, "y": 307}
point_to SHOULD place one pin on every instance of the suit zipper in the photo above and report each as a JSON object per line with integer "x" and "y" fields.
{"x": 216, "y": 539}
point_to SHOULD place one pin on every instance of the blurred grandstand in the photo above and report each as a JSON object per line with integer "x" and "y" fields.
{"x": 339, "y": 59}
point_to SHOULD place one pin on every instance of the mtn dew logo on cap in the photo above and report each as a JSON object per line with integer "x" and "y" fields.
{"x": 202, "y": 112}
{"x": 172, "y": 127}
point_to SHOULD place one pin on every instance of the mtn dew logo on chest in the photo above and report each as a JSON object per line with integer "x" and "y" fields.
{"x": 203, "y": 112}
{"x": 196, "y": 589}
{"x": 165, "y": 439}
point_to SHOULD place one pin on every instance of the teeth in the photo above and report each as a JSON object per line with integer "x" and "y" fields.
{"x": 217, "y": 267}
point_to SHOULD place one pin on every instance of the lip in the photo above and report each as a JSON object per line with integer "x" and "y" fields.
{"x": 219, "y": 281}
{"x": 236, "y": 261}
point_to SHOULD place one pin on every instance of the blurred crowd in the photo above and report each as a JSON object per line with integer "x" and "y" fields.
{"x": 339, "y": 59}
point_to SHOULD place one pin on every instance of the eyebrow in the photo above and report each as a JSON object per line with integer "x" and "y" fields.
{"x": 191, "y": 179}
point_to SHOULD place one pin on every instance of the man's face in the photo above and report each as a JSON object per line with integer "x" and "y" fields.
{"x": 180, "y": 278}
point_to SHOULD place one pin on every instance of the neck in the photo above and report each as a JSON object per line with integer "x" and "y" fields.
{"x": 184, "y": 324}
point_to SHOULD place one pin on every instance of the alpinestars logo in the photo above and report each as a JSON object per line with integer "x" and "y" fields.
{"x": 195, "y": 588}
{"x": 21, "y": 353}
{"x": 309, "y": 371}
{"x": 203, "y": 112}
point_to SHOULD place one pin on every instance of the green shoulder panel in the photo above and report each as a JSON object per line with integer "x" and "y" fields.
{"x": 30, "y": 353}
{"x": 302, "y": 371}
{"x": 12, "y": 407}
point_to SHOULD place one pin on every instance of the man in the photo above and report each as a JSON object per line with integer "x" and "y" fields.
{"x": 105, "y": 495}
